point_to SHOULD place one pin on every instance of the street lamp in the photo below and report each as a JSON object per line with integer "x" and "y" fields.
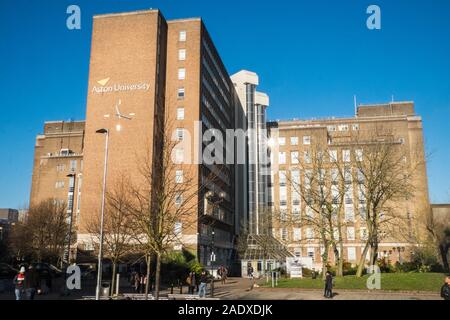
{"x": 215, "y": 200}
{"x": 100, "y": 250}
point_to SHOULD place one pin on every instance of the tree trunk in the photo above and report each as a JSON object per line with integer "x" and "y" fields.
{"x": 443, "y": 249}
{"x": 362, "y": 261}
{"x": 157, "y": 275}
{"x": 148, "y": 260}
{"x": 373, "y": 254}
{"x": 113, "y": 280}
{"x": 324, "y": 262}
{"x": 341, "y": 259}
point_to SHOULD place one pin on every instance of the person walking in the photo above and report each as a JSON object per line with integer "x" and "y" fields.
{"x": 19, "y": 283}
{"x": 137, "y": 282}
{"x": 202, "y": 287}
{"x": 445, "y": 290}
{"x": 328, "y": 285}
{"x": 191, "y": 282}
{"x": 250, "y": 271}
{"x": 32, "y": 282}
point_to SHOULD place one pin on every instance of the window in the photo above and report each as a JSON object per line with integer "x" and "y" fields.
{"x": 349, "y": 195}
{"x": 333, "y": 156}
{"x": 181, "y": 93}
{"x": 60, "y": 167}
{"x": 355, "y": 127}
{"x": 178, "y": 200}
{"x": 311, "y": 253}
{"x": 283, "y": 234}
{"x": 282, "y": 141}
{"x": 362, "y": 213}
{"x": 309, "y": 233}
{"x": 182, "y": 36}
{"x": 346, "y": 155}
{"x": 351, "y": 253}
{"x": 298, "y": 252}
{"x": 359, "y": 155}
{"x": 331, "y": 128}
{"x": 306, "y": 140}
{"x": 283, "y": 178}
{"x": 309, "y": 212}
{"x": 297, "y": 234}
{"x": 59, "y": 184}
{"x": 73, "y": 165}
{"x": 283, "y": 196}
{"x": 178, "y": 228}
{"x": 349, "y": 214}
{"x": 294, "y": 157}
{"x": 343, "y": 127}
{"x": 182, "y": 54}
{"x": 181, "y": 73}
{"x": 363, "y": 233}
{"x": 350, "y": 233}
{"x": 294, "y": 141}
{"x": 180, "y": 134}
{"x": 179, "y": 156}
{"x": 180, "y": 114}
{"x": 179, "y": 176}
{"x": 307, "y": 157}
{"x": 282, "y": 158}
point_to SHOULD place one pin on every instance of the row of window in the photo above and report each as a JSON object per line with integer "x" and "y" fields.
{"x": 311, "y": 252}
{"x": 61, "y": 167}
{"x": 294, "y": 141}
{"x": 343, "y": 127}
{"x": 296, "y": 234}
{"x": 333, "y": 154}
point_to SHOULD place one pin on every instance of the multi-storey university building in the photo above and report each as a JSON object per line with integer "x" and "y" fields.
{"x": 294, "y": 141}
{"x": 149, "y": 77}
{"x": 164, "y": 76}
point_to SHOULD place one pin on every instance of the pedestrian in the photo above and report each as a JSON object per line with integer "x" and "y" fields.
{"x": 202, "y": 287}
{"x": 143, "y": 283}
{"x": 191, "y": 282}
{"x": 19, "y": 283}
{"x": 137, "y": 282}
{"x": 224, "y": 275}
{"x": 328, "y": 285}
{"x": 32, "y": 282}
{"x": 250, "y": 271}
{"x": 445, "y": 290}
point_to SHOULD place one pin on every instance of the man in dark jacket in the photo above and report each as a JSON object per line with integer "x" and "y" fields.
{"x": 32, "y": 282}
{"x": 202, "y": 287}
{"x": 445, "y": 290}
{"x": 328, "y": 285}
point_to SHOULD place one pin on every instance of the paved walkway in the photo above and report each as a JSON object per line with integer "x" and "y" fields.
{"x": 239, "y": 289}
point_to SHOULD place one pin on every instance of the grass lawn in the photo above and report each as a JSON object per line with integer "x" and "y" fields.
{"x": 389, "y": 281}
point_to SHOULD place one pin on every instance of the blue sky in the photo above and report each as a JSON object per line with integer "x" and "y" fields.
{"x": 312, "y": 57}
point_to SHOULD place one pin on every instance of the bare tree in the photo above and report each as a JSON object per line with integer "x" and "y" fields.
{"x": 44, "y": 234}
{"x": 322, "y": 190}
{"x": 439, "y": 229}
{"x": 165, "y": 202}
{"x": 118, "y": 233}
{"x": 384, "y": 175}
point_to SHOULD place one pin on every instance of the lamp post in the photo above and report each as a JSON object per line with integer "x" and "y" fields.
{"x": 215, "y": 200}
{"x": 100, "y": 250}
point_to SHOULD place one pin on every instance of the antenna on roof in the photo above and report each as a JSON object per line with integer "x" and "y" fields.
{"x": 356, "y": 107}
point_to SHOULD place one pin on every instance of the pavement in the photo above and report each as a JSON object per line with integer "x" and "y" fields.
{"x": 240, "y": 289}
